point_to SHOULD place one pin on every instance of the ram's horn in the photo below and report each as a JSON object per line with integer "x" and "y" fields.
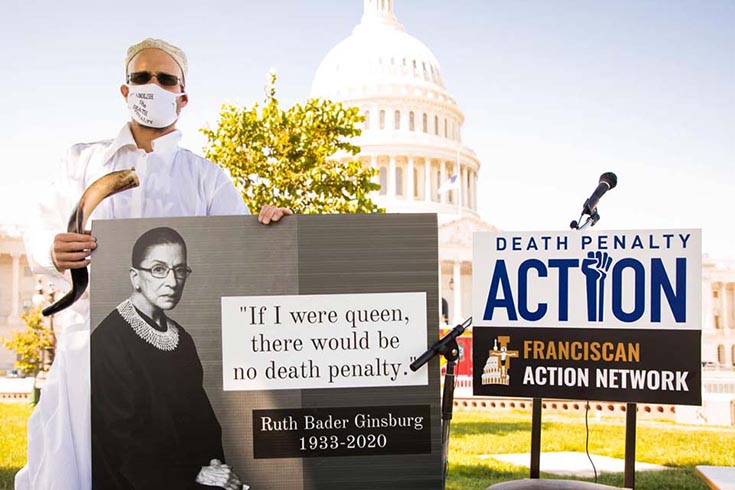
{"x": 100, "y": 189}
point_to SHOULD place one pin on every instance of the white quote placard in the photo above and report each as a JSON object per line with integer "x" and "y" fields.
{"x": 322, "y": 341}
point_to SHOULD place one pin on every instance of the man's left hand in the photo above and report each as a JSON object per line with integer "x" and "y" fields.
{"x": 272, "y": 213}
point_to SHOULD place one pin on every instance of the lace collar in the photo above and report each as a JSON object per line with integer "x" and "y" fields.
{"x": 167, "y": 340}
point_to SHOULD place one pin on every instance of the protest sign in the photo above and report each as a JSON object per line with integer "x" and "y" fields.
{"x": 303, "y": 329}
{"x": 604, "y": 315}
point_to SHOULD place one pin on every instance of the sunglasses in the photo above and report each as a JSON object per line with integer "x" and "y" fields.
{"x": 143, "y": 77}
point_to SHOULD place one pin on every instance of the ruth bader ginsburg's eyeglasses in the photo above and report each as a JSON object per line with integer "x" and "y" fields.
{"x": 143, "y": 77}
{"x": 160, "y": 271}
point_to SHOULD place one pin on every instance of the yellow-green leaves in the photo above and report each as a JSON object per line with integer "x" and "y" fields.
{"x": 30, "y": 344}
{"x": 300, "y": 157}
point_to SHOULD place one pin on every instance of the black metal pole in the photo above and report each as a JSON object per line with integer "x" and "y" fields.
{"x": 448, "y": 348}
{"x": 630, "y": 421}
{"x": 447, "y": 407}
{"x": 536, "y": 438}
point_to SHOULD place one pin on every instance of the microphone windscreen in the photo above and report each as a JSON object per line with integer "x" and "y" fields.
{"x": 609, "y": 178}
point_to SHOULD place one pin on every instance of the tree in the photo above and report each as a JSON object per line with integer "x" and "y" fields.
{"x": 31, "y": 344}
{"x": 289, "y": 157}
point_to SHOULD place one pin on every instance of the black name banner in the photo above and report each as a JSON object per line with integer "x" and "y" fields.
{"x": 341, "y": 431}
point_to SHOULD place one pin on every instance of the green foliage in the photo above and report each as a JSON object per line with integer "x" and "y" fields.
{"x": 291, "y": 158}
{"x": 31, "y": 343}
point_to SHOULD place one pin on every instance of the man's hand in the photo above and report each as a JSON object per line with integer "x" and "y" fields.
{"x": 220, "y": 475}
{"x": 272, "y": 213}
{"x": 72, "y": 250}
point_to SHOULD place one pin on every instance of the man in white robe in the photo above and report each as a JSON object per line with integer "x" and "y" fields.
{"x": 173, "y": 182}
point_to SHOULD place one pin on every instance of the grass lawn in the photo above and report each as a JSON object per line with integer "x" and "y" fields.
{"x": 475, "y": 433}
{"x": 13, "y": 418}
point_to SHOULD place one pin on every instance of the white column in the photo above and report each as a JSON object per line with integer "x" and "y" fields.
{"x": 474, "y": 190}
{"x": 392, "y": 176}
{"x": 728, "y": 304}
{"x": 409, "y": 179}
{"x": 457, "y": 313}
{"x": 14, "y": 317}
{"x": 724, "y": 323}
{"x": 440, "y": 292}
{"x": 427, "y": 180}
{"x": 463, "y": 178}
{"x": 470, "y": 189}
{"x": 15, "y": 300}
{"x": 466, "y": 188}
{"x": 444, "y": 196}
{"x": 708, "y": 324}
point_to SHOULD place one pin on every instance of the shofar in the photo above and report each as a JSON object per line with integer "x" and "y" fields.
{"x": 100, "y": 189}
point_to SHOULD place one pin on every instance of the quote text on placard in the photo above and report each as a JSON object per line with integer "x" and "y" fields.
{"x": 322, "y": 341}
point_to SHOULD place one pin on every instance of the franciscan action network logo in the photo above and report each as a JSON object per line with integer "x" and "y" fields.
{"x": 497, "y": 365}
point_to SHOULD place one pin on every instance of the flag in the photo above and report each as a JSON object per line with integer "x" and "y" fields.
{"x": 451, "y": 183}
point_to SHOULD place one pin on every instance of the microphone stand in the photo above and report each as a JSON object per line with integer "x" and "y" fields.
{"x": 592, "y": 220}
{"x": 446, "y": 346}
{"x": 630, "y": 408}
{"x": 535, "y": 465}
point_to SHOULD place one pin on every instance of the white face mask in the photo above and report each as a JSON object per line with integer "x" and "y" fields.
{"x": 152, "y": 106}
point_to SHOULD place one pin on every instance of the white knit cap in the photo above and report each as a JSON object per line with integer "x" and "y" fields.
{"x": 177, "y": 54}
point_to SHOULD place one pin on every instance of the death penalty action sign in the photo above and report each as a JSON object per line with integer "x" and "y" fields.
{"x": 609, "y": 315}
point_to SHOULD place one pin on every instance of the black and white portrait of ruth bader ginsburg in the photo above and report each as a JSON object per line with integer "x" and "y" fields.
{"x": 153, "y": 426}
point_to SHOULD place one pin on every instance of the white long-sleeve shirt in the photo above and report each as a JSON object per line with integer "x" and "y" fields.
{"x": 173, "y": 182}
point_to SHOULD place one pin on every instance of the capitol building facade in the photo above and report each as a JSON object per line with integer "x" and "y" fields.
{"x": 412, "y": 136}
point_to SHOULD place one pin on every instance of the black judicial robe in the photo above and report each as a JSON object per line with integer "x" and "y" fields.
{"x": 152, "y": 424}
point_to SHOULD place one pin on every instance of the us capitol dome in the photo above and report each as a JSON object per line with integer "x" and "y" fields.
{"x": 412, "y": 135}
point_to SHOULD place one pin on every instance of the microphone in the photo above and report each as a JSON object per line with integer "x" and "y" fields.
{"x": 608, "y": 181}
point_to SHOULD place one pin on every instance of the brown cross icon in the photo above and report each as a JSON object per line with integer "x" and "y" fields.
{"x": 505, "y": 355}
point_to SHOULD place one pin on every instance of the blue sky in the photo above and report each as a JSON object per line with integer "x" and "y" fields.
{"x": 554, "y": 93}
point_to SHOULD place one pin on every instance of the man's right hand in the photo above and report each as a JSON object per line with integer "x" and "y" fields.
{"x": 72, "y": 250}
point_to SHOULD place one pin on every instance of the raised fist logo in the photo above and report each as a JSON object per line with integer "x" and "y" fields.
{"x": 595, "y": 268}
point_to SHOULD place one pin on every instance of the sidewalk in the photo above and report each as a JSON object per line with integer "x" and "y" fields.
{"x": 15, "y": 389}
{"x": 570, "y": 463}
